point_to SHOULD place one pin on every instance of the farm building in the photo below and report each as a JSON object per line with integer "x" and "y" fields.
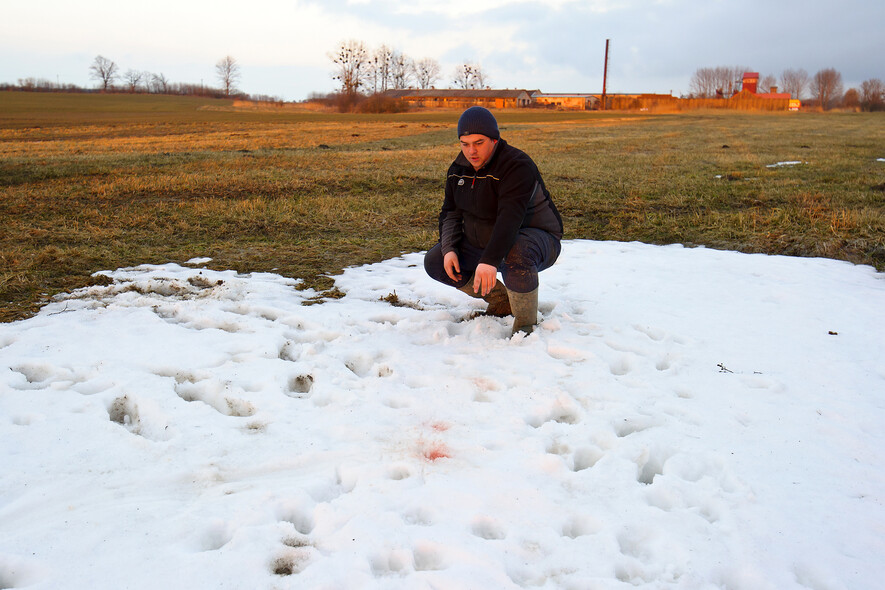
{"x": 747, "y": 99}
{"x": 457, "y": 98}
{"x": 580, "y": 102}
{"x": 750, "y": 89}
{"x": 514, "y": 99}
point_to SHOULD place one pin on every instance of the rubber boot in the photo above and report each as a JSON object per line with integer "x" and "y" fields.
{"x": 498, "y": 300}
{"x": 525, "y": 310}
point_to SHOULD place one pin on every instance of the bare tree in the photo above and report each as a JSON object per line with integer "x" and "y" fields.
{"x": 31, "y": 84}
{"x": 703, "y": 83}
{"x": 227, "y": 70}
{"x": 721, "y": 81}
{"x": 480, "y": 78}
{"x": 380, "y": 66}
{"x": 469, "y": 75}
{"x": 766, "y": 83}
{"x": 159, "y": 83}
{"x": 103, "y": 70}
{"x": 351, "y": 60}
{"x": 461, "y": 76}
{"x": 826, "y": 86}
{"x": 730, "y": 78}
{"x": 851, "y": 99}
{"x": 427, "y": 72}
{"x": 795, "y": 82}
{"x": 133, "y": 78}
{"x": 872, "y": 95}
{"x": 401, "y": 69}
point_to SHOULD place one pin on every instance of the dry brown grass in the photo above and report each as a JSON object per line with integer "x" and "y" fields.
{"x": 97, "y": 182}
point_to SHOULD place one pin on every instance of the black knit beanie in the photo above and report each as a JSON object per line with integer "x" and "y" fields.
{"x": 478, "y": 120}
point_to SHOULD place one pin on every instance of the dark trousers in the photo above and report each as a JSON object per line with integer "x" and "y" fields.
{"x": 534, "y": 250}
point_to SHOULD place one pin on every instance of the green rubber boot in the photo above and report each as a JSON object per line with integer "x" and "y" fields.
{"x": 525, "y": 310}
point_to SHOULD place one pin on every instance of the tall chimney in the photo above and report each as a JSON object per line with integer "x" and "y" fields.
{"x": 605, "y": 74}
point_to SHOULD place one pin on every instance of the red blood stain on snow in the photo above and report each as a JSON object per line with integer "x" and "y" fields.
{"x": 437, "y": 451}
{"x": 440, "y": 426}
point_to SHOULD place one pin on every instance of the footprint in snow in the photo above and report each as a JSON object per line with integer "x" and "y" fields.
{"x": 214, "y": 394}
{"x": 300, "y": 386}
{"x": 486, "y": 527}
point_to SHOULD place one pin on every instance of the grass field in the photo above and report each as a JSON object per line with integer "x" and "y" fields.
{"x": 93, "y": 182}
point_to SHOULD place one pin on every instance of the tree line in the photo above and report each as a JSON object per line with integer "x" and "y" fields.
{"x": 824, "y": 89}
{"x": 357, "y": 68}
{"x": 110, "y": 78}
{"x": 365, "y": 74}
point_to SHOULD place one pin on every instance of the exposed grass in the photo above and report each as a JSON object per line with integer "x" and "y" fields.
{"x": 92, "y": 182}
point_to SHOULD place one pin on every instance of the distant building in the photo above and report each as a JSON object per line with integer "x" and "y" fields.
{"x": 750, "y": 83}
{"x": 447, "y": 98}
{"x": 579, "y": 102}
{"x": 462, "y": 98}
{"x": 521, "y": 98}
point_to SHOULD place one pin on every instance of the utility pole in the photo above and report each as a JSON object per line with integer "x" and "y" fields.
{"x": 605, "y": 74}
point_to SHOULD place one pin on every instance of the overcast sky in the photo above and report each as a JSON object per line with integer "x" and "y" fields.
{"x": 283, "y": 46}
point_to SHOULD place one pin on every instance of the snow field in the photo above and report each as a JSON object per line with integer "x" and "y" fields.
{"x": 682, "y": 418}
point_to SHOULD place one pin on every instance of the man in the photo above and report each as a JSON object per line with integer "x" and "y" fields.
{"x": 497, "y": 216}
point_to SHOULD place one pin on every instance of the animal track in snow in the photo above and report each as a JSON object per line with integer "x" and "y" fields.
{"x": 18, "y": 572}
{"x": 395, "y": 562}
{"x": 581, "y": 526}
{"x": 146, "y": 422}
{"x": 484, "y": 387}
{"x": 399, "y": 471}
{"x": 216, "y": 535}
{"x": 419, "y": 516}
{"x": 563, "y": 410}
{"x": 290, "y": 562}
{"x": 429, "y": 557}
{"x": 665, "y": 362}
{"x": 655, "y": 334}
{"x": 633, "y": 425}
{"x": 299, "y": 513}
{"x": 37, "y": 375}
{"x": 566, "y": 353}
{"x": 124, "y": 411}
{"x": 295, "y": 557}
{"x": 622, "y": 365}
{"x": 173, "y": 314}
{"x": 557, "y": 447}
{"x": 364, "y": 365}
{"x": 487, "y": 528}
{"x": 264, "y": 313}
{"x": 650, "y": 464}
{"x": 289, "y": 351}
{"x": 212, "y": 392}
{"x": 300, "y": 385}
{"x": 634, "y": 542}
{"x": 585, "y": 458}
{"x": 638, "y": 348}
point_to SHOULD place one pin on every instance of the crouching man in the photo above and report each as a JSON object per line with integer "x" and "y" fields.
{"x": 497, "y": 216}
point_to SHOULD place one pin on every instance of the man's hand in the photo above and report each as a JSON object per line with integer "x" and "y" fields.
{"x": 452, "y": 266}
{"x": 484, "y": 279}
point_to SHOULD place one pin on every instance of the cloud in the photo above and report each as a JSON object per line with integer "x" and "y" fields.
{"x": 555, "y": 45}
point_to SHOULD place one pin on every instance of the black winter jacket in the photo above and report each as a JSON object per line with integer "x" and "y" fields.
{"x": 489, "y": 206}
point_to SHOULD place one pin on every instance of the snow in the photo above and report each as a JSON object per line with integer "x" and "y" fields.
{"x": 681, "y": 418}
{"x": 780, "y": 164}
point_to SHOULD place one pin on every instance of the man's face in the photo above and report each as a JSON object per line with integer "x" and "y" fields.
{"x": 477, "y": 149}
